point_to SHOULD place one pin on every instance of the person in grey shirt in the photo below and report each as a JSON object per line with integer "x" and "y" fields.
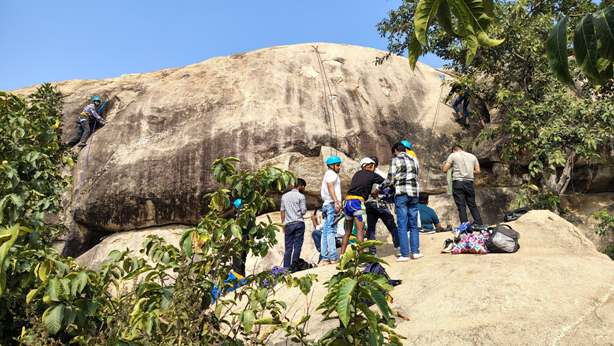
{"x": 464, "y": 165}
{"x": 293, "y": 208}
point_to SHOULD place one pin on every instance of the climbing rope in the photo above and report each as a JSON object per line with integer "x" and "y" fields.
{"x": 442, "y": 77}
{"x": 330, "y": 115}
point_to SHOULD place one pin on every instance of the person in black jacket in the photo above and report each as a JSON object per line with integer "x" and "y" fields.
{"x": 378, "y": 209}
{"x": 354, "y": 204}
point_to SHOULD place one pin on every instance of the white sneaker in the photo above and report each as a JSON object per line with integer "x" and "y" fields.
{"x": 402, "y": 259}
{"x": 416, "y": 255}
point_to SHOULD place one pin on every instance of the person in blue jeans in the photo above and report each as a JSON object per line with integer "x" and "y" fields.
{"x": 403, "y": 175}
{"x": 293, "y": 209}
{"x": 331, "y": 196}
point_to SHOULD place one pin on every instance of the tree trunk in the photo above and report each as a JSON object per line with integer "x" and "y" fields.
{"x": 558, "y": 183}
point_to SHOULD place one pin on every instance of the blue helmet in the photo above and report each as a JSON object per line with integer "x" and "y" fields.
{"x": 407, "y": 144}
{"x": 95, "y": 98}
{"x": 238, "y": 203}
{"x": 333, "y": 160}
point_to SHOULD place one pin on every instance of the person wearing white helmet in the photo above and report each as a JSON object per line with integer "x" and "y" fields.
{"x": 354, "y": 204}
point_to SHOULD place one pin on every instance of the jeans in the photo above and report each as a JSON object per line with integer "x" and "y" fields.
{"x": 375, "y": 212}
{"x": 407, "y": 217}
{"x": 465, "y": 102}
{"x": 294, "y": 234}
{"x": 327, "y": 245}
{"x": 464, "y": 196}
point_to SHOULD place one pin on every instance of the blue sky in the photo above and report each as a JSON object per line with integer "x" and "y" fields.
{"x": 69, "y": 39}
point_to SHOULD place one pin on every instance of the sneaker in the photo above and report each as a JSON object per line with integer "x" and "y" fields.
{"x": 448, "y": 245}
{"x": 416, "y": 256}
{"x": 402, "y": 259}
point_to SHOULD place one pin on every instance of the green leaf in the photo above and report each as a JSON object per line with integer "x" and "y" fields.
{"x": 52, "y": 318}
{"x": 347, "y": 257}
{"x": 186, "y": 243}
{"x": 604, "y": 27}
{"x": 415, "y": 50}
{"x": 236, "y": 230}
{"x": 78, "y": 283}
{"x": 556, "y": 50}
{"x": 585, "y": 47}
{"x": 247, "y": 320}
{"x": 444, "y": 17}
{"x": 344, "y": 297}
{"x": 5, "y": 246}
{"x": 54, "y": 290}
{"x": 426, "y": 10}
{"x": 472, "y": 48}
{"x": 485, "y": 40}
{"x": 31, "y": 295}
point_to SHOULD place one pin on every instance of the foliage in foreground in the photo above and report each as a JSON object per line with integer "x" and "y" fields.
{"x": 31, "y": 157}
{"x": 593, "y": 46}
{"x": 165, "y": 294}
{"x": 350, "y": 294}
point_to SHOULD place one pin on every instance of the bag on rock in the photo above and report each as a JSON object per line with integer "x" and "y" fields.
{"x": 515, "y": 214}
{"x": 503, "y": 239}
{"x": 300, "y": 265}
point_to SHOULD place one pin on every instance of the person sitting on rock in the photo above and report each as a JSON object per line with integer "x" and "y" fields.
{"x": 316, "y": 233}
{"x": 428, "y": 217}
{"x": 88, "y": 115}
{"x": 293, "y": 208}
{"x": 354, "y": 204}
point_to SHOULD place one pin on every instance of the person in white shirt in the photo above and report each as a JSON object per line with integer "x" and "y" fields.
{"x": 331, "y": 196}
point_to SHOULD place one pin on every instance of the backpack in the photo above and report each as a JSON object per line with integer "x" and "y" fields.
{"x": 378, "y": 269}
{"x": 515, "y": 214}
{"x": 503, "y": 239}
{"x": 299, "y": 265}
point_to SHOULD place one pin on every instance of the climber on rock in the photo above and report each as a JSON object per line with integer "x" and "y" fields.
{"x": 88, "y": 119}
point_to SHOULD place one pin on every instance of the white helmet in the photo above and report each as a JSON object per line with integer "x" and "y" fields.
{"x": 366, "y": 161}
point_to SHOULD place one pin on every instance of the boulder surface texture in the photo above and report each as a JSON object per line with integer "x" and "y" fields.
{"x": 556, "y": 290}
{"x": 149, "y": 166}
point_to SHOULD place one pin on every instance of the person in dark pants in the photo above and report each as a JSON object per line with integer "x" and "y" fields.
{"x": 293, "y": 208}
{"x": 87, "y": 117}
{"x": 377, "y": 209}
{"x": 238, "y": 261}
{"x": 464, "y": 165}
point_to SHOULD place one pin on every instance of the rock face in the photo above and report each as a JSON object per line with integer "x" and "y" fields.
{"x": 556, "y": 290}
{"x": 149, "y": 166}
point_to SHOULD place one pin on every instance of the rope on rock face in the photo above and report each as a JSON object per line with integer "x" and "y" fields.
{"x": 442, "y": 77}
{"x": 330, "y": 115}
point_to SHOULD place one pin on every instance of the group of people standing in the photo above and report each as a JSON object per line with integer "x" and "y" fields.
{"x": 366, "y": 202}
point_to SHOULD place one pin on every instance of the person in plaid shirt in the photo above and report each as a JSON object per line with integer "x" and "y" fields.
{"x": 403, "y": 175}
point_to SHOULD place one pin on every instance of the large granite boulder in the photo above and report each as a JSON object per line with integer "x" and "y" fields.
{"x": 556, "y": 290}
{"x": 149, "y": 166}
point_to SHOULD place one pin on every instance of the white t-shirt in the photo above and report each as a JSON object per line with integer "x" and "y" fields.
{"x": 330, "y": 177}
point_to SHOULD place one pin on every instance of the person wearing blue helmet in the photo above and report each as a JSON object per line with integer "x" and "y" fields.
{"x": 88, "y": 115}
{"x": 234, "y": 211}
{"x": 331, "y": 196}
{"x": 409, "y": 148}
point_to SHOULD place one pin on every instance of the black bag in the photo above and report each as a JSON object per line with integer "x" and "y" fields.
{"x": 299, "y": 265}
{"x": 378, "y": 269}
{"x": 515, "y": 214}
{"x": 503, "y": 239}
